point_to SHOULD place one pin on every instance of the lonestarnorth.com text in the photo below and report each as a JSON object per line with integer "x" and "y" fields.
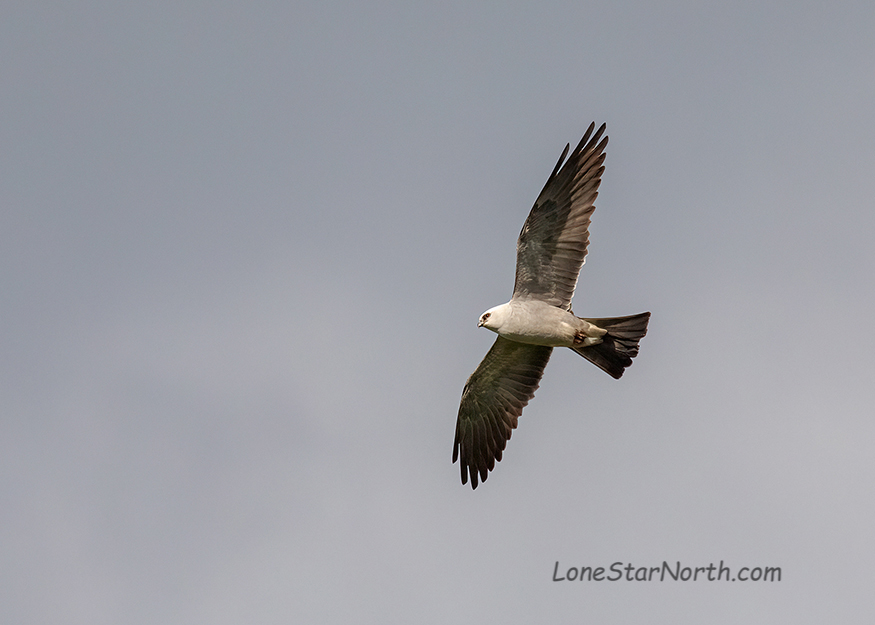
{"x": 628, "y": 572}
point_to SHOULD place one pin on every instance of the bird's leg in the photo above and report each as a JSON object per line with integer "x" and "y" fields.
{"x": 586, "y": 341}
{"x": 588, "y": 334}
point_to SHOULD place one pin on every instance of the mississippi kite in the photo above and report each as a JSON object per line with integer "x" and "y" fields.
{"x": 550, "y": 252}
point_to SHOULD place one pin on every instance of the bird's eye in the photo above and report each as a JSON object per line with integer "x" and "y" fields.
{"x": 486, "y": 316}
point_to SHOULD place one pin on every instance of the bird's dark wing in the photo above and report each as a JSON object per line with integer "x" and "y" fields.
{"x": 552, "y": 244}
{"x": 492, "y": 401}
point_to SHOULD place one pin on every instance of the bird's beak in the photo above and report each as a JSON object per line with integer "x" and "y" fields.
{"x": 480, "y": 323}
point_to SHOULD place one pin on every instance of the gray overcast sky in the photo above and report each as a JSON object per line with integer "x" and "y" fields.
{"x": 244, "y": 248}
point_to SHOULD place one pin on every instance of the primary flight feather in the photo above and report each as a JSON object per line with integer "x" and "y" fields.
{"x": 550, "y": 252}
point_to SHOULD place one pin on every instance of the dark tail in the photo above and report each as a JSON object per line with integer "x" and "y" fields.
{"x": 619, "y": 346}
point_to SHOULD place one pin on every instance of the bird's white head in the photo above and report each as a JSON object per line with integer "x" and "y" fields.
{"x": 493, "y": 318}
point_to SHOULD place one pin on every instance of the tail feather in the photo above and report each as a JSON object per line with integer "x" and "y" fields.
{"x": 619, "y": 346}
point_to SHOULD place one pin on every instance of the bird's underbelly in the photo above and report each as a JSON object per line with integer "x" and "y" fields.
{"x": 551, "y": 339}
{"x": 554, "y": 330}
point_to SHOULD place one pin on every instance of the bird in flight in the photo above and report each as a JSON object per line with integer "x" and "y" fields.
{"x": 550, "y": 252}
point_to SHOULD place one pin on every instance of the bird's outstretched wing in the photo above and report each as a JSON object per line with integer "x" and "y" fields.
{"x": 552, "y": 244}
{"x": 493, "y": 399}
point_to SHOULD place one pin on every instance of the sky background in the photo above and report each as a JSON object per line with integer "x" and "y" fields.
{"x": 244, "y": 248}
